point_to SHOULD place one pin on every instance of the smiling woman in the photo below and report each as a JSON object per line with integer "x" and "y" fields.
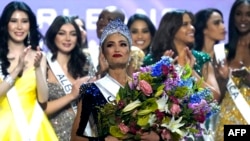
{"x": 142, "y": 30}
{"x": 176, "y": 33}
{"x": 115, "y": 47}
{"x": 22, "y": 77}
{"x": 65, "y": 73}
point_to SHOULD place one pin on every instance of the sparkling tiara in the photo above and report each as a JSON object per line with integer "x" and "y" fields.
{"x": 116, "y": 26}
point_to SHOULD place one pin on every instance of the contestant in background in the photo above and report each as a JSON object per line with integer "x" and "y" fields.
{"x": 239, "y": 61}
{"x": 210, "y": 30}
{"x": 82, "y": 26}
{"x": 23, "y": 77}
{"x": 65, "y": 73}
{"x": 142, "y": 30}
{"x": 176, "y": 34}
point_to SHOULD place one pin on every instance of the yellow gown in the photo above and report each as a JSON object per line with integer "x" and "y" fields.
{"x": 26, "y": 89}
{"x": 229, "y": 113}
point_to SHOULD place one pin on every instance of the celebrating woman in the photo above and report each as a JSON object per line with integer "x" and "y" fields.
{"x": 23, "y": 77}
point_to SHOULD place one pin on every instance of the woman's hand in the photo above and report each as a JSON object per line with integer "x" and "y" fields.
{"x": 111, "y": 138}
{"x": 186, "y": 57}
{"x": 241, "y": 72}
{"x": 77, "y": 84}
{"x": 103, "y": 65}
{"x": 38, "y": 57}
{"x": 223, "y": 69}
{"x": 150, "y": 136}
{"x": 169, "y": 53}
{"x": 21, "y": 60}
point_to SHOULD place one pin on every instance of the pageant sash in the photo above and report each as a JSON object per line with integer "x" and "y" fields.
{"x": 61, "y": 78}
{"x": 239, "y": 100}
{"x": 109, "y": 87}
{"x": 28, "y": 131}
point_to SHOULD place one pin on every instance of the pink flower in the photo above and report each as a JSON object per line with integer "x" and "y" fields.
{"x": 124, "y": 129}
{"x": 175, "y": 109}
{"x": 165, "y": 134}
{"x": 145, "y": 87}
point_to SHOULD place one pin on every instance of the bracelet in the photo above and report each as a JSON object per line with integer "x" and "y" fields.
{"x": 9, "y": 80}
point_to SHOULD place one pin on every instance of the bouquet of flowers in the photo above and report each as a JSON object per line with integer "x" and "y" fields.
{"x": 163, "y": 98}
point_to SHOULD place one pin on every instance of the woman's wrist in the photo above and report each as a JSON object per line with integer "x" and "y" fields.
{"x": 8, "y": 79}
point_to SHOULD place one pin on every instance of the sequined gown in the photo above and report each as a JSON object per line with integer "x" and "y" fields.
{"x": 201, "y": 59}
{"x": 61, "y": 121}
{"x": 91, "y": 97}
{"x": 229, "y": 113}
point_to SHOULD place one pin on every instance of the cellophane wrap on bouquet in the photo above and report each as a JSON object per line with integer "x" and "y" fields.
{"x": 163, "y": 98}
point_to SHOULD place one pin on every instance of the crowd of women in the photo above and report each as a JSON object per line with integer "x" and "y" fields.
{"x": 51, "y": 93}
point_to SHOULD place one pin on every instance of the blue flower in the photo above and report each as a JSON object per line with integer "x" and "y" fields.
{"x": 195, "y": 98}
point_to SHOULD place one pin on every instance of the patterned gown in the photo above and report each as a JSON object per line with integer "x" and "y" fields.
{"x": 26, "y": 88}
{"x": 229, "y": 113}
{"x": 61, "y": 121}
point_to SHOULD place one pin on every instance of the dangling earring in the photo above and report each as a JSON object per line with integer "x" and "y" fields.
{"x": 129, "y": 61}
{"x": 28, "y": 39}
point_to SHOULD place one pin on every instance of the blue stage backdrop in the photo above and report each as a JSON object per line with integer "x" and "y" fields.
{"x": 47, "y": 10}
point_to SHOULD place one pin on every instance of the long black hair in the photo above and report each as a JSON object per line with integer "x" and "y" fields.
{"x": 146, "y": 19}
{"x": 34, "y": 34}
{"x": 233, "y": 33}
{"x": 163, "y": 40}
{"x": 201, "y": 18}
{"x": 78, "y": 59}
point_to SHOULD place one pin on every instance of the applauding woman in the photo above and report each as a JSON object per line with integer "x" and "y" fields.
{"x": 23, "y": 77}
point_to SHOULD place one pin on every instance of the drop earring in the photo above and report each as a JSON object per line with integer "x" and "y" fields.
{"x": 28, "y": 39}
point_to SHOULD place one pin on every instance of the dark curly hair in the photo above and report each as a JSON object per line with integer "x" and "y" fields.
{"x": 78, "y": 59}
{"x": 34, "y": 34}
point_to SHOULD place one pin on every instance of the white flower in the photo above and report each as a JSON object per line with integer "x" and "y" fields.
{"x": 152, "y": 119}
{"x": 162, "y": 103}
{"x": 166, "y": 109}
{"x": 132, "y": 106}
{"x": 174, "y": 126}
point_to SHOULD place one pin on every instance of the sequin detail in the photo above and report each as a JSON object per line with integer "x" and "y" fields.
{"x": 61, "y": 121}
{"x": 148, "y": 60}
{"x": 229, "y": 113}
{"x": 90, "y": 93}
{"x": 201, "y": 59}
